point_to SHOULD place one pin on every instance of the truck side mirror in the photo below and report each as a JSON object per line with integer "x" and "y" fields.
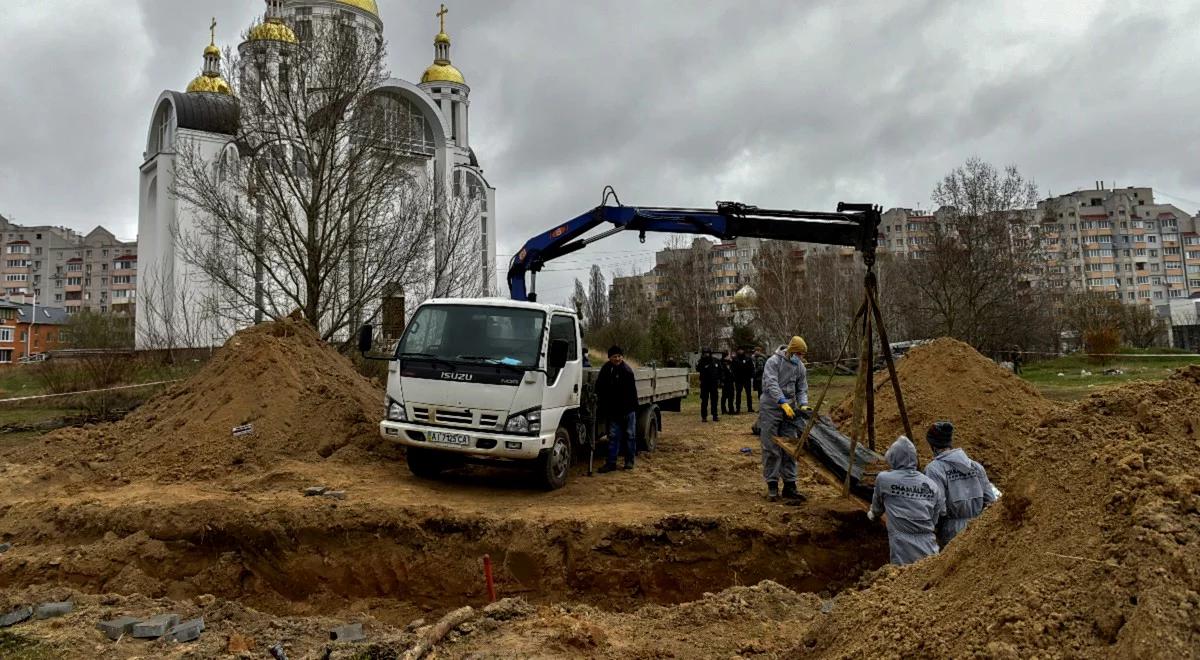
{"x": 366, "y": 335}
{"x": 557, "y": 357}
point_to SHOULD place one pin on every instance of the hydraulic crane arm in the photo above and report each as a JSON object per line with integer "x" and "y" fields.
{"x": 853, "y": 225}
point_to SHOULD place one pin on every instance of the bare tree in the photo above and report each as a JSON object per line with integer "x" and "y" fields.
{"x": 579, "y": 300}
{"x": 597, "y": 302}
{"x": 778, "y": 277}
{"x": 323, "y": 197}
{"x": 1141, "y": 327}
{"x": 176, "y": 314}
{"x": 974, "y": 281}
{"x": 686, "y": 285}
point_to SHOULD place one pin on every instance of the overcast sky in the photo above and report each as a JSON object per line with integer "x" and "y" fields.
{"x": 787, "y": 104}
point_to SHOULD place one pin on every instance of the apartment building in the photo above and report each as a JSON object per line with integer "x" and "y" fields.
{"x": 99, "y": 274}
{"x": 1118, "y": 241}
{"x": 64, "y": 269}
{"x": 906, "y": 232}
{"x": 1121, "y": 242}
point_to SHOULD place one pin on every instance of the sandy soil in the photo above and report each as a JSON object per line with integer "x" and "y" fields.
{"x": 115, "y": 512}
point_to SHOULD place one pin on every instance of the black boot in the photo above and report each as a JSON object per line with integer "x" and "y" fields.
{"x": 790, "y": 494}
{"x": 772, "y": 491}
{"x": 607, "y": 467}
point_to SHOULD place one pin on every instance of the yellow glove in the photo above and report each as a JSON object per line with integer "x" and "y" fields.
{"x": 806, "y": 409}
{"x": 787, "y": 410}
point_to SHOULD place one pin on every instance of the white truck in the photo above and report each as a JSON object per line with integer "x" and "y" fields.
{"x": 504, "y": 381}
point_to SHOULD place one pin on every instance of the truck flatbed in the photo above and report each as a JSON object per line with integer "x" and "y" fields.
{"x": 653, "y": 385}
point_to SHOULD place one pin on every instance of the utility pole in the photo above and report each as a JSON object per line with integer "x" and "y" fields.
{"x": 32, "y": 321}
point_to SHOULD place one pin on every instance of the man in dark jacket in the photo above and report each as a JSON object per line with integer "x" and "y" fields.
{"x": 760, "y": 361}
{"x": 709, "y": 368}
{"x": 726, "y": 386}
{"x": 617, "y": 400}
{"x": 743, "y": 378}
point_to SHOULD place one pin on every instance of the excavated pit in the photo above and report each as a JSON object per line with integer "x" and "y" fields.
{"x": 420, "y": 562}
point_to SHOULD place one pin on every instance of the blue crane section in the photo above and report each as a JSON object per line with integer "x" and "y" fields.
{"x": 853, "y": 225}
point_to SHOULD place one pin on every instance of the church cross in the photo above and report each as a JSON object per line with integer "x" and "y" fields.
{"x": 212, "y": 30}
{"x": 442, "y": 16}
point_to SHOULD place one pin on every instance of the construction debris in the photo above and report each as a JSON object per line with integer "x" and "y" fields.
{"x": 51, "y": 610}
{"x": 351, "y": 632}
{"x": 15, "y": 616}
{"x": 154, "y": 627}
{"x": 116, "y": 628}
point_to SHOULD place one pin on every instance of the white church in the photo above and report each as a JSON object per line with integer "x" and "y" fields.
{"x": 435, "y": 110}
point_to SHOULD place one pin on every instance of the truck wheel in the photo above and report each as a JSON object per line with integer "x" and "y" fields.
{"x": 649, "y": 441}
{"x": 424, "y": 463}
{"x": 555, "y": 464}
{"x": 647, "y": 430}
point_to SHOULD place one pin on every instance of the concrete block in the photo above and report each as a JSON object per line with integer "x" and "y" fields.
{"x": 278, "y": 652}
{"x": 348, "y": 633}
{"x": 5, "y": 547}
{"x": 313, "y": 491}
{"x": 16, "y": 616}
{"x": 336, "y": 494}
{"x": 51, "y": 610}
{"x": 155, "y": 627}
{"x": 115, "y": 628}
{"x": 188, "y": 630}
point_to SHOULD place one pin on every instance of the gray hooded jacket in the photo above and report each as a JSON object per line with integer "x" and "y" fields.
{"x": 912, "y": 501}
{"x": 783, "y": 380}
{"x": 967, "y": 490}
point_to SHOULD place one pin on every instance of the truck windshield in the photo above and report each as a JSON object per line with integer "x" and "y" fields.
{"x": 478, "y": 334}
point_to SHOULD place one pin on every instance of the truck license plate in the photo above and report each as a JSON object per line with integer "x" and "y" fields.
{"x": 450, "y": 439}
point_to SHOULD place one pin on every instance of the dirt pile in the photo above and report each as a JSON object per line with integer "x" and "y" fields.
{"x": 300, "y": 398}
{"x": 993, "y": 411}
{"x": 1093, "y": 551}
{"x": 759, "y": 620}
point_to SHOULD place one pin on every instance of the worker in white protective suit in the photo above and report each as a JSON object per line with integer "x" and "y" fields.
{"x": 913, "y": 503}
{"x": 965, "y": 482}
{"x": 784, "y": 396}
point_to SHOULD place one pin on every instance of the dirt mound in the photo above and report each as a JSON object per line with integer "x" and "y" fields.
{"x": 303, "y": 400}
{"x": 993, "y": 411}
{"x": 1093, "y": 550}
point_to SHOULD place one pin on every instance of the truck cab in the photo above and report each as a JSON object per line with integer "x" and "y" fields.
{"x": 487, "y": 379}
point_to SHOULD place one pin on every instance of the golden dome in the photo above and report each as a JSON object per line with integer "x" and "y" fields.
{"x": 209, "y": 84}
{"x": 272, "y": 31}
{"x": 368, "y": 6}
{"x": 441, "y": 38}
{"x": 212, "y": 50}
{"x": 745, "y": 298}
{"x": 443, "y": 73}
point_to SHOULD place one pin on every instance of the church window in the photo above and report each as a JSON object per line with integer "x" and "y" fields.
{"x": 403, "y": 123}
{"x": 285, "y": 78}
{"x": 160, "y": 137}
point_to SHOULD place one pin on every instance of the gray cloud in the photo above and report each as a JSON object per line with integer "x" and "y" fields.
{"x": 679, "y": 103}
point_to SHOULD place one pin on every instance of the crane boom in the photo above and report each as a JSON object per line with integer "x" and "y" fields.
{"x": 853, "y": 225}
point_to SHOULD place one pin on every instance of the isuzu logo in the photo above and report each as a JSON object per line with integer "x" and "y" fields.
{"x": 454, "y": 375}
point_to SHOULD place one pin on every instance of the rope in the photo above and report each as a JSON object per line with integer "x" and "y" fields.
{"x": 107, "y": 389}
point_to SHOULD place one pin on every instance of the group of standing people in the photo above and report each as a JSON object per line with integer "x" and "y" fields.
{"x": 729, "y": 378}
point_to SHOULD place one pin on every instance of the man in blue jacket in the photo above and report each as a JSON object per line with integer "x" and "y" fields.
{"x": 965, "y": 482}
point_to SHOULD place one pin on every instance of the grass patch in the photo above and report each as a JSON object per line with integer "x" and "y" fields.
{"x": 1074, "y": 383}
{"x": 14, "y": 646}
